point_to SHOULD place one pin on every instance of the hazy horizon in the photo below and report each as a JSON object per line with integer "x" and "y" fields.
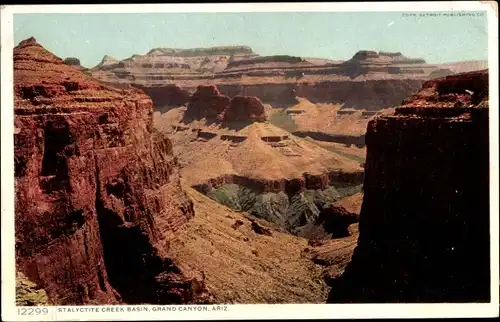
{"x": 327, "y": 35}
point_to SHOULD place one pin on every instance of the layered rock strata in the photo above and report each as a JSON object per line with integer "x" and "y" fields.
{"x": 302, "y": 206}
{"x": 289, "y": 186}
{"x": 97, "y": 189}
{"x": 207, "y": 102}
{"x": 424, "y": 222}
{"x": 369, "y": 80}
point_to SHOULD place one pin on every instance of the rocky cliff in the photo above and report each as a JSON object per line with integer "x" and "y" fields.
{"x": 360, "y": 94}
{"x": 424, "y": 222}
{"x": 207, "y": 102}
{"x": 97, "y": 189}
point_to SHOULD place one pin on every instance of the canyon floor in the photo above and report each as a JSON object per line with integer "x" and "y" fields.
{"x": 243, "y": 266}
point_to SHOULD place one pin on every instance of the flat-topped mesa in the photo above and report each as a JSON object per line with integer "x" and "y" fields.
{"x": 424, "y": 222}
{"x": 97, "y": 191}
{"x": 161, "y": 64}
{"x": 370, "y": 56}
{"x": 210, "y": 51}
{"x": 72, "y": 61}
{"x": 390, "y": 54}
{"x": 207, "y": 102}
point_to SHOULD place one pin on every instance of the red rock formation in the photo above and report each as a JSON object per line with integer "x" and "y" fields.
{"x": 461, "y": 90}
{"x": 243, "y": 109}
{"x": 97, "y": 190}
{"x": 207, "y": 102}
{"x": 424, "y": 222}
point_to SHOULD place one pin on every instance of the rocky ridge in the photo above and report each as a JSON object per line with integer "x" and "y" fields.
{"x": 97, "y": 192}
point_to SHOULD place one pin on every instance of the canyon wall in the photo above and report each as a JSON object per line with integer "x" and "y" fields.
{"x": 370, "y": 80}
{"x": 97, "y": 192}
{"x": 370, "y": 94}
{"x": 168, "y": 95}
{"x": 289, "y": 186}
{"x": 424, "y": 222}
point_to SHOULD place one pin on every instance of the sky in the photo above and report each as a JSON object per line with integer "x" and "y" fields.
{"x": 331, "y": 35}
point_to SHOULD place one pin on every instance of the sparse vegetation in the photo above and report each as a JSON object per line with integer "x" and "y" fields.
{"x": 28, "y": 293}
{"x": 278, "y": 208}
{"x": 283, "y": 120}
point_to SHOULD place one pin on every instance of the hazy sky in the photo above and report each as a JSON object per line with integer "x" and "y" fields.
{"x": 333, "y": 35}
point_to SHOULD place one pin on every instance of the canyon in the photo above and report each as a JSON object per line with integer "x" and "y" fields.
{"x": 103, "y": 215}
{"x": 250, "y": 165}
{"x": 216, "y": 175}
{"x": 359, "y": 87}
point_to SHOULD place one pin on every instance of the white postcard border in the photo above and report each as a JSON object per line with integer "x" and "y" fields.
{"x": 257, "y": 311}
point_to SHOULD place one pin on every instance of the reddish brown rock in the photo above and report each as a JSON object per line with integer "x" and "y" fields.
{"x": 460, "y": 90}
{"x": 245, "y": 109}
{"x": 97, "y": 190}
{"x": 208, "y": 102}
{"x": 424, "y": 222}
